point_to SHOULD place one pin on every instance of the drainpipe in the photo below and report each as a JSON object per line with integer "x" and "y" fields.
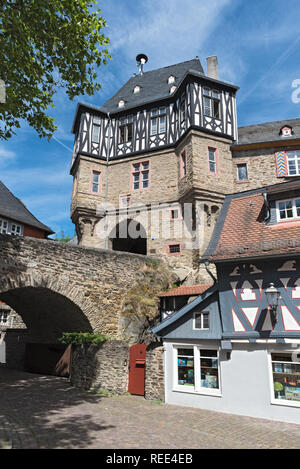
{"x": 206, "y": 263}
{"x": 106, "y": 176}
{"x": 267, "y": 217}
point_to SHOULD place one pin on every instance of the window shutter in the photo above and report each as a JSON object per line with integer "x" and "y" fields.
{"x": 281, "y": 164}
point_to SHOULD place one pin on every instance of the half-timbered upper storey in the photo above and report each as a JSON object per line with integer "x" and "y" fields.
{"x": 154, "y": 110}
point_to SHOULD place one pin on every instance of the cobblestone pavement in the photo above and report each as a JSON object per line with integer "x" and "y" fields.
{"x": 46, "y": 412}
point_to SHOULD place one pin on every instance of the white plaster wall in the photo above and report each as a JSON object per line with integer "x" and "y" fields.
{"x": 2, "y": 353}
{"x": 245, "y": 383}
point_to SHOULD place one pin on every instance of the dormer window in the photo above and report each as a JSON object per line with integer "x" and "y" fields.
{"x": 136, "y": 89}
{"x": 172, "y": 89}
{"x": 286, "y": 131}
{"x": 288, "y": 209}
{"x": 121, "y": 103}
{"x": 171, "y": 79}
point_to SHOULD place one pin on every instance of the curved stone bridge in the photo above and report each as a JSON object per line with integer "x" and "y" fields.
{"x": 57, "y": 287}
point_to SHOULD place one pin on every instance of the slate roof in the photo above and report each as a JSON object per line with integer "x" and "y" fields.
{"x": 11, "y": 207}
{"x": 267, "y": 132}
{"x": 154, "y": 85}
{"x": 186, "y": 290}
{"x": 241, "y": 231}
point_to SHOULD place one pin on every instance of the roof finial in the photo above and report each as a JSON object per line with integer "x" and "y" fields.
{"x": 141, "y": 59}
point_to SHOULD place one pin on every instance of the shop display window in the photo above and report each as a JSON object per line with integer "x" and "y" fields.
{"x": 286, "y": 377}
{"x": 209, "y": 369}
{"x": 186, "y": 367}
{"x": 197, "y": 370}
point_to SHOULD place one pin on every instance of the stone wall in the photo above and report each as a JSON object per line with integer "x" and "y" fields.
{"x": 154, "y": 380}
{"x": 261, "y": 167}
{"x": 101, "y": 367}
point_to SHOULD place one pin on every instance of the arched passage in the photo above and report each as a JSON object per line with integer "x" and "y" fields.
{"x": 129, "y": 236}
{"x": 46, "y": 315}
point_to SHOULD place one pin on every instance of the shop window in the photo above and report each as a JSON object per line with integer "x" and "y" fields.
{"x": 185, "y": 367}
{"x": 286, "y": 377}
{"x": 197, "y": 370}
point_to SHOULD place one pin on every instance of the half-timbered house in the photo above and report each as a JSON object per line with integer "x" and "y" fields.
{"x": 233, "y": 349}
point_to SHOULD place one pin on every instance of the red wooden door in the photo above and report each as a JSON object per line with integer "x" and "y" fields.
{"x": 137, "y": 364}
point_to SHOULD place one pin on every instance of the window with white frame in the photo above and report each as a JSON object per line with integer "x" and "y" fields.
{"x": 125, "y": 129}
{"x": 286, "y": 378}
{"x": 171, "y": 79}
{"x": 4, "y": 314}
{"x": 3, "y": 226}
{"x": 242, "y": 172}
{"x": 11, "y": 228}
{"x": 96, "y": 129}
{"x": 293, "y": 162}
{"x": 16, "y": 229}
{"x": 125, "y": 201}
{"x": 201, "y": 320}
{"x": 211, "y": 99}
{"x": 212, "y": 160}
{"x": 197, "y": 369}
{"x": 96, "y": 182}
{"x": 158, "y": 121}
{"x": 140, "y": 175}
{"x": 288, "y": 209}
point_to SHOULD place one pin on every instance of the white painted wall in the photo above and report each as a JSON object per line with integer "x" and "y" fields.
{"x": 246, "y": 386}
{"x": 2, "y": 353}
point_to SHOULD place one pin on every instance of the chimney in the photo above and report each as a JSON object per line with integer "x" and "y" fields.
{"x": 212, "y": 67}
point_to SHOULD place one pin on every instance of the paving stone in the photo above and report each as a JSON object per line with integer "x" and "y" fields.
{"x": 47, "y": 413}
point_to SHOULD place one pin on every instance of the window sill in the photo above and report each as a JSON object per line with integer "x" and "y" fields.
{"x": 285, "y": 224}
{"x": 201, "y": 392}
{"x": 285, "y": 403}
{"x": 243, "y": 182}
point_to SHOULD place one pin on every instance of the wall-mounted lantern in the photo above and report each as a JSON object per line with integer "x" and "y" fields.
{"x": 273, "y": 296}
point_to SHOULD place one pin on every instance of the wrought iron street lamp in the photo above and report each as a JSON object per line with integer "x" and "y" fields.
{"x": 273, "y": 296}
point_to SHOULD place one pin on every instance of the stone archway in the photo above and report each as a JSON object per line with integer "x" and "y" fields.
{"x": 129, "y": 236}
{"x": 48, "y": 308}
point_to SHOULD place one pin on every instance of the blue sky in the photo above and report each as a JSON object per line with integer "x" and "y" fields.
{"x": 257, "y": 44}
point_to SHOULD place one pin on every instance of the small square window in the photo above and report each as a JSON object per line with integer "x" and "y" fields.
{"x": 174, "y": 248}
{"x": 201, "y": 321}
{"x": 242, "y": 172}
{"x": 174, "y": 214}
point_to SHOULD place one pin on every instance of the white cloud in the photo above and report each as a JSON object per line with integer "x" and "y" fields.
{"x": 167, "y": 31}
{"x": 6, "y": 156}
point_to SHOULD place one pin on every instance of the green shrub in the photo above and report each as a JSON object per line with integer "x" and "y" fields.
{"x": 77, "y": 338}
